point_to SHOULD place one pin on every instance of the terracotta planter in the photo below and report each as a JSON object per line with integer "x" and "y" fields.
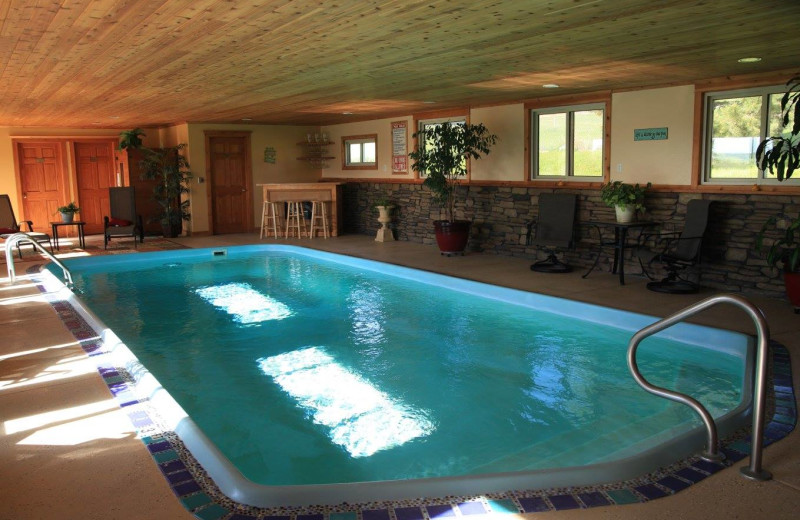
{"x": 452, "y": 237}
{"x": 792, "y": 282}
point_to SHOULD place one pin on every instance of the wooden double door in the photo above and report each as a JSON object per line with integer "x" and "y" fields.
{"x": 45, "y": 182}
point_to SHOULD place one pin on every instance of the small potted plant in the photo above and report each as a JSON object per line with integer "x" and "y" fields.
{"x": 626, "y": 199}
{"x": 441, "y": 158}
{"x": 384, "y": 207}
{"x": 68, "y": 212}
{"x": 783, "y": 250}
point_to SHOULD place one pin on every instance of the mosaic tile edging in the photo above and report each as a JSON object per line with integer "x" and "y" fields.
{"x": 202, "y": 498}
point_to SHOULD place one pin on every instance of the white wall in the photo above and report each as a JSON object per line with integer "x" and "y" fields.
{"x": 660, "y": 162}
{"x": 506, "y": 161}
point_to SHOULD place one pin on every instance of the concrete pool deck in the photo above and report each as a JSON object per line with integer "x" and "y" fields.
{"x": 67, "y": 451}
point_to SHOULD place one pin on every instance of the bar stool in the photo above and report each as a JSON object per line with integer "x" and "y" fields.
{"x": 319, "y": 212}
{"x": 294, "y": 219}
{"x": 270, "y": 220}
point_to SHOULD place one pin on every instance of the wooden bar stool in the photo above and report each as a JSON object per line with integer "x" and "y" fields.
{"x": 319, "y": 212}
{"x": 270, "y": 220}
{"x": 295, "y": 221}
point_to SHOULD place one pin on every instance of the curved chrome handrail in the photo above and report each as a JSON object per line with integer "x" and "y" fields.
{"x": 754, "y": 471}
{"x": 14, "y": 239}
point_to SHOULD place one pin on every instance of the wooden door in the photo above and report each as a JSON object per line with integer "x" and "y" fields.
{"x": 94, "y": 170}
{"x": 230, "y": 178}
{"x": 42, "y": 181}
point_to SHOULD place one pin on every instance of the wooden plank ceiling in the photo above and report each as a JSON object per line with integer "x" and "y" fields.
{"x": 125, "y": 63}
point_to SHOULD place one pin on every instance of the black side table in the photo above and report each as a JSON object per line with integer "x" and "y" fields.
{"x": 619, "y": 243}
{"x": 78, "y": 223}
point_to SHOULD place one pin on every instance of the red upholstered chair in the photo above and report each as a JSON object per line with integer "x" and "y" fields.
{"x": 123, "y": 222}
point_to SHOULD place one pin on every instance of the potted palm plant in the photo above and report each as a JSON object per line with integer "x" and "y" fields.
{"x": 170, "y": 169}
{"x": 626, "y": 199}
{"x": 441, "y": 158}
{"x": 68, "y": 212}
{"x": 781, "y": 156}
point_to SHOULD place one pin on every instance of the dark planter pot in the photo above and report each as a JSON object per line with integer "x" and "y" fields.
{"x": 171, "y": 229}
{"x": 792, "y": 282}
{"x": 452, "y": 237}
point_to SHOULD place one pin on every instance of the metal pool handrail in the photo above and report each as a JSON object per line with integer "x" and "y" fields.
{"x": 754, "y": 471}
{"x": 19, "y": 237}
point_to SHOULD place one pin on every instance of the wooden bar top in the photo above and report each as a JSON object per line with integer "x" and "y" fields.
{"x": 330, "y": 192}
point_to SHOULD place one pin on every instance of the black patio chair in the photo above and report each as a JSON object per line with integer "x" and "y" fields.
{"x": 554, "y": 230}
{"x": 124, "y": 221}
{"x": 678, "y": 251}
{"x": 9, "y": 226}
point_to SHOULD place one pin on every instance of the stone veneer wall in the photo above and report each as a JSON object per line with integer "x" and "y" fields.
{"x": 500, "y": 215}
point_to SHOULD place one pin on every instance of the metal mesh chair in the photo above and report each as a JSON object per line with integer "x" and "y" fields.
{"x": 679, "y": 251}
{"x": 554, "y": 230}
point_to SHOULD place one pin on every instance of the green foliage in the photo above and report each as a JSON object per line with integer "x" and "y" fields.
{"x": 131, "y": 139}
{"x": 170, "y": 168}
{"x": 618, "y": 193}
{"x": 737, "y": 117}
{"x": 383, "y": 200}
{"x": 781, "y": 154}
{"x": 69, "y": 208}
{"x": 442, "y": 156}
{"x": 785, "y": 242}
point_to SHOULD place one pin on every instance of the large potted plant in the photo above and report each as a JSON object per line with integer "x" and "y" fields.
{"x": 441, "y": 158}
{"x": 780, "y": 155}
{"x": 170, "y": 169}
{"x": 626, "y": 199}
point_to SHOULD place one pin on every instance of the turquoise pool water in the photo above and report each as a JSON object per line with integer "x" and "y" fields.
{"x": 304, "y": 370}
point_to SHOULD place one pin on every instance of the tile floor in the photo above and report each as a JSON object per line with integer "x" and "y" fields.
{"x": 67, "y": 451}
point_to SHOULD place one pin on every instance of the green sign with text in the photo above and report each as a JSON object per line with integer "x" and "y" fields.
{"x": 649, "y": 134}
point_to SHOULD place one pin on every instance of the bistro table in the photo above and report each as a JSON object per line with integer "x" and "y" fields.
{"x": 620, "y": 242}
{"x": 77, "y": 223}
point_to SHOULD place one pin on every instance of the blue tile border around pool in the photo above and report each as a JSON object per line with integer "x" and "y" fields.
{"x": 200, "y": 496}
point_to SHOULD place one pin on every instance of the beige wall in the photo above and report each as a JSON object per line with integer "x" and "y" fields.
{"x": 506, "y": 161}
{"x": 286, "y": 168}
{"x": 383, "y": 129}
{"x": 660, "y": 162}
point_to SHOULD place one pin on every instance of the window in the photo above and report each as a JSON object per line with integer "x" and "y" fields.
{"x": 568, "y": 142}
{"x": 360, "y": 152}
{"x": 427, "y": 124}
{"x": 735, "y": 124}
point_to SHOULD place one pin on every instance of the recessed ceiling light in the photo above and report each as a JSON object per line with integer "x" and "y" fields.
{"x": 753, "y": 59}
{"x": 550, "y": 85}
{"x": 247, "y": 119}
{"x": 114, "y": 117}
{"x": 429, "y": 102}
{"x": 347, "y": 113}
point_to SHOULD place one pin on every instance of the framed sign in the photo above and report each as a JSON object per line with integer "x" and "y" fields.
{"x": 650, "y": 134}
{"x": 399, "y": 147}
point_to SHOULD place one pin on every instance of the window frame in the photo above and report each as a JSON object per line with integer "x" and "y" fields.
{"x": 706, "y": 136}
{"x": 422, "y": 123}
{"x": 362, "y": 139}
{"x": 569, "y": 174}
